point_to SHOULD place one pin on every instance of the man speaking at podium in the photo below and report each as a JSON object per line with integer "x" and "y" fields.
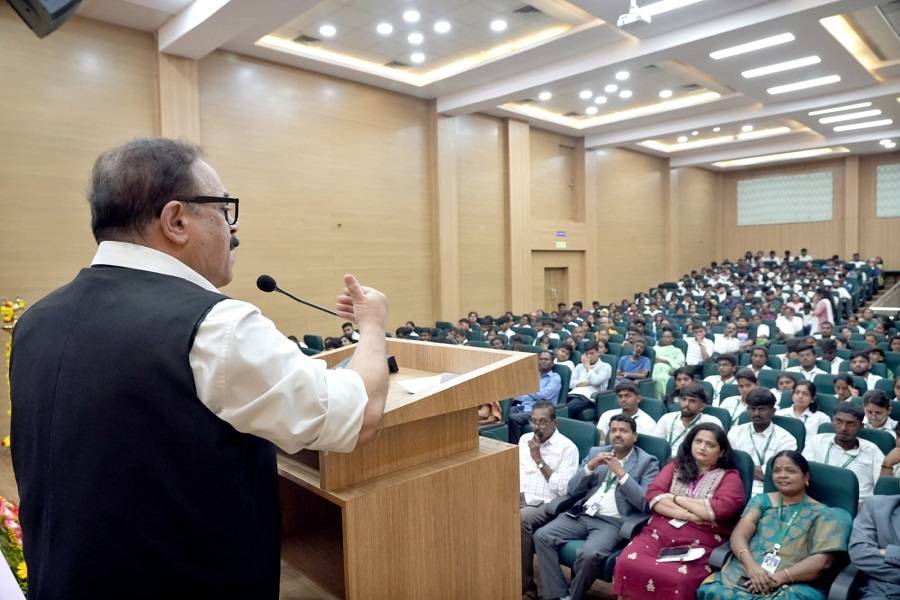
{"x": 148, "y": 405}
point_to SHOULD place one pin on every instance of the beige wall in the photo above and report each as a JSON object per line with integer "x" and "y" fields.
{"x": 552, "y": 176}
{"x": 877, "y": 237}
{"x": 697, "y": 209}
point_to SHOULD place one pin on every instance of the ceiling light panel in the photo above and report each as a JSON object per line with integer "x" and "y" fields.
{"x": 788, "y": 65}
{"x": 850, "y": 116}
{"x": 768, "y": 42}
{"x": 664, "y": 6}
{"x": 827, "y": 111}
{"x": 803, "y": 85}
{"x": 863, "y": 125}
{"x": 783, "y": 156}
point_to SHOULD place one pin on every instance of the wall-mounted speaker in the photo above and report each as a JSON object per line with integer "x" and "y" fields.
{"x": 44, "y": 16}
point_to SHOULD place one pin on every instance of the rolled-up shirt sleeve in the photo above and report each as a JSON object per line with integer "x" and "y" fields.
{"x": 254, "y": 378}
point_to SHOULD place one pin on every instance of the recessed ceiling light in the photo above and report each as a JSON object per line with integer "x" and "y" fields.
{"x": 665, "y": 93}
{"x": 415, "y": 38}
{"x": 886, "y": 142}
{"x": 782, "y": 66}
{"x": 623, "y": 75}
{"x": 417, "y": 57}
{"x": 411, "y": 16}
{"x": 695, "y": 132}
{"x": 850, "y": 116}
{"x": 327, "y": 30}
{"x": 864, "y": 125}
{"x": 664, "y": 6}
{"x": 747, "y": 128}
{"x": 384, "y": 29}
{"x": 708, "y": 141}
{"x": 781, "y": 38}
{"x": 591, "y": 110}
{"x": 717, "y": 129}
{"x": 585, "y": 94}
{"x": 802, "y": 85}
{"x": 625, "y": 94}
{"x": 498, "y": 25}
{"x": 599, "y": 99}
{"x": 442, "y": 26}
{"x": 890, "y": 146}
{"x": 544, "y": 96}
{"x": 682, "y": 139}
{"x": 826, "y": 111}
{"x": 611, "y": 88}
{"x": 754, "y": 160}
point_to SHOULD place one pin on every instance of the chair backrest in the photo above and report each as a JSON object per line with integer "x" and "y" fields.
{"x": 647, "y": 388}
{"x": 887, "y": 486}
{"x": 886, "y": 441}
{"x": 445, "y": 325}
{"x": 892, "y": 360}
{"x": 826, "y": 428}
{"x": 768, "y": 378}
{"x": 614, "y": 347}
{"x": 658, "y": 447}
{"x": 829, "y": 484}
{"x": 613, "y": 361}
{"x": 879, "y": 369}
{"x": 710, "y": 367}
{"x": 744, "y": 465}
{"x": 565, "y": 375}
{"x": 526, "y": 339}
{"x": 827, "y": 403}
{"x": 728, "y": 390}
{"x": 606, "y": 401}
{"x": 653, "y": 407}
{"x": 478, "y": 344}
{"x": 681, "y": 345}
{"x": 314, "y": 341}
{"x": 309, "y": 351}
{"x": 500, "y": 433}
{"x": 476, "y": 335}
{"x": 886, "y": 386}
{"x": 710, "y": 391}
{"x": 585, "y": 435}
{"x": 721, "y": 414}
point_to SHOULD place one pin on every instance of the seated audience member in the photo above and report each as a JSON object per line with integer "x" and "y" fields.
{"x": 520, "y": 411}
{"x": 759, "y": 356}
{"x": 871, "y": 339}
{"x": 498, "y": 343}
{"x": 875, "y": 547}
{"x": 332, "y": 343}
{"x": 669, "y": 358}
{"x": 699, "y": 349}
{"x": 785, "y": 383}
{"x": 628, "y": 396}
{"x": 891, "y": 464}
{"x": 547, "y": 461}
{"x": 592, "y": 375}
{"x": 894, "y": 346}
{"x": 609, "y": 485}
{"x": 826, "y": 330}
{"x": 695, "y": 501}
{"x": 845, "y": 449}
{"x": 635, "y": 366}
{"x": 412, "y": 329}
{"x": 807, "y": 367}
{"x": 829, "y": 355}
{"x": 547, "y": 330}
{"x": 737, "y": 405}
{"x": 896, "y": 388}
{"x": 544, "y": 344}
{"x": 350, "y": 333}
{"x": 426, "y": 334}
{"x": 788, "y": 324}
{"x": 674, "y": 426}
{"x": 806, "y": 553}
{"x": 726, "y": 364}
{"x": 804, "y": 408}
{"x": 859, "y": 366}
{"x": 564, "y": 357}
{"x": 682, "y": 378}
{"x": 727, "y": 343}
{"x": 464, "y": 326}
{"x": 490, "y": 413}
{"x": 760, "y": 438}
{"x": 506, "y": 330}
{"x": 878, "y": 411}
{"x": 876, "y": 355}
{"x": 403, "y": 333}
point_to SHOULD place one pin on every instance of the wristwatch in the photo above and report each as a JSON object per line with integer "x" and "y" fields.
{"x": 540, "y": 465}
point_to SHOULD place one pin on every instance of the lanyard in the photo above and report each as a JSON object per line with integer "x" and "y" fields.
{"x": 847, "y": 462}
{"x": 610, "y": 479}
{"x": 684, "y": 431}
{"x": 766, "y": 448}
{"x": 776, "y": 546}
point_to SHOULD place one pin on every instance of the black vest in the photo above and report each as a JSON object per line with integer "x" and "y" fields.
{"x": 130, "y": 487}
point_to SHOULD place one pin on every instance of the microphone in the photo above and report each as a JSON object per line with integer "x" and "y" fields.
{"x": 267, "y": 284}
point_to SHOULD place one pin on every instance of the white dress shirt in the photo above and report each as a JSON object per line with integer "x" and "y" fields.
{"x": 871, "y": 379}
{"x": 811, "y": 421}
{"x": 597, "y": 378}
{"x": 603, "y": 502}
{"x": 761, "y": 445}
{"x": 717, "y": 383}
{"x": 645, "y": 423}
{"x": 808, "y": 375}
{"x": 735, "y": 407}
{"x": 560, "y": 454}
{"x": 726, "y": 345}
{"x": 693, "y": 355}
{"x": 865, "y": 460}
{"x": 888, "y": 426}
{"x": 792, "y": 326}
{"x": 672, "y": 429}
{"x": 250, "y": 375}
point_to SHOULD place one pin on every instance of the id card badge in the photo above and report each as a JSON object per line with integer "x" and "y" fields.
{"x": 677, "y": 523}
{"x": 770, "y": 563}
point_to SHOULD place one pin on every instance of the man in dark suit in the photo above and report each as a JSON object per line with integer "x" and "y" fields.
{"x": 875, "y": 546}
{"x": 610, "y": 485}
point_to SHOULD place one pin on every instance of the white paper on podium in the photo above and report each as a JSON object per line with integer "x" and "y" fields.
{"x": 420, "y": 384}
{"x": 9, "y": 589}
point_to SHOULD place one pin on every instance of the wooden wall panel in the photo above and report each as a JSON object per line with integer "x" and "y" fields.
{"x": 697, "y": 213}
{"x": 878, "y": 237}
{"x": 822, "y": 238}
{"x": 483, "y": 228}
{"x": 629, "y": 205}
{"x": 334, "y": 178}
{"x": 553, "y": 169}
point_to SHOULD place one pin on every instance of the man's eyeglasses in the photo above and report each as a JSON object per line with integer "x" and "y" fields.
{"x": 231, "y": 212}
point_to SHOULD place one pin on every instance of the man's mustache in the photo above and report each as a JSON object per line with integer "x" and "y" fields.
{"x": 234, "y": 243}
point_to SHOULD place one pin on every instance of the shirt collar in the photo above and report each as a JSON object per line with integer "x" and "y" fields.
{"x": 552, "y": 439}
{"x": 765, "y": 431}
{"x": 852, "y": 452}
{"x": 144, "y": 258}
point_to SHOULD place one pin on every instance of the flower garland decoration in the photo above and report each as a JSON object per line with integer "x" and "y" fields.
{"x": 9, "y": 314}
{"x": 11, "y": 542}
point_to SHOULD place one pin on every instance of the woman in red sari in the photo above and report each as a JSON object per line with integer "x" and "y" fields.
{"x": 696, "y": 500}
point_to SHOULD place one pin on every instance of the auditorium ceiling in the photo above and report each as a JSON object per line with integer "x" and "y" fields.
{"x": 714, "y": 83}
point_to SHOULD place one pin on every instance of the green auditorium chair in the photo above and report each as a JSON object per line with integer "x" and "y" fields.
{"x": 314, "y": 342}
{"x": 721, "y": 414}
{"x": 653, "y": 407}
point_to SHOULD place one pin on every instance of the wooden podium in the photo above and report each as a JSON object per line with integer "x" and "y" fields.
{"x": 428, "y": 510}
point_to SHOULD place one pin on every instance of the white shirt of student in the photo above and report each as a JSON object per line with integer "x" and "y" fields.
{"x": 811, "y": 420}
{"x": 671, "y": 428}
{"x": 645, "y": 423}
{"x": 735, "y": 407}
{"x": 724, "y": 345}
{"x": 792, "y": 326}
{"x": 888, "y": 426}
{"x": 836, "y": 365}
{"x": 552, "y": 335}
{"x": 808, "y": 375}
{"x": 761, "y": 446}
{"x": 871, "y": 379}
{"x": 567, "y": 363}
{"x": 717, "y": 382}
{"x": 694, "y": 356}
{"x": 560, "y": 454}
{"x": 603, "y": 502}
{"x": 598, "y": 378}
{"x": 865, "y": 460}
{"x": 251, "y": 375}
{"x": 509, "y": 333}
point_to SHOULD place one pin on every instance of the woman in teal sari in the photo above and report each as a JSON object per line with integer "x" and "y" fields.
{"x": 783, "y": 543}
{"x": 668, "y": 358}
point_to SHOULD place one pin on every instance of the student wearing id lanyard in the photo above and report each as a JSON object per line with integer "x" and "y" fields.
{"x": 784, "y": 541}
{"x": 845, "y": 449}
{"x": 760, "y": 438}
{"x": 674, "y": 426}
{"x": 804, "y": 408}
